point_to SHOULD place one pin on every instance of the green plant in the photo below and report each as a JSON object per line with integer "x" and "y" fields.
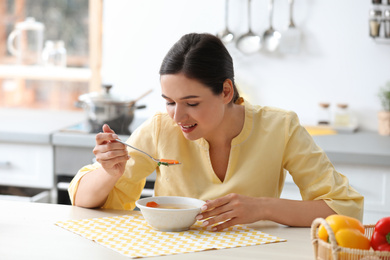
{"x": 384, "y": 96}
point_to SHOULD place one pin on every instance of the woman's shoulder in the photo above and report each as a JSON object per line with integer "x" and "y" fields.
{"x": 272, "y": 112}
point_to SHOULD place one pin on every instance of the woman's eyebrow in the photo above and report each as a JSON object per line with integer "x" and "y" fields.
{"x": 186, "y": 97}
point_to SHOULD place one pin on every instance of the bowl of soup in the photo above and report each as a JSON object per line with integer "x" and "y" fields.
{"x": 170, "y": 213}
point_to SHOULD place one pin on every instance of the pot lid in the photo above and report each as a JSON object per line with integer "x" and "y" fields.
{"x": 104, "y": 97}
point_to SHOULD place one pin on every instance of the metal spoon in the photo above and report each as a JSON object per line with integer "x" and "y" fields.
{"x": 249, "y": 42}
{"x": 271, "y": 37}
{"x": 159, "y": 161}
{"x": 226, "y": 35}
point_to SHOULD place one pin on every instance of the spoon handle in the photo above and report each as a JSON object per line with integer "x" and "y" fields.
{"x": 270, "y": 12}
{"x": 134, "y": 148}
{"x": 249, "y": 15}
{"x": 291, "y": 3}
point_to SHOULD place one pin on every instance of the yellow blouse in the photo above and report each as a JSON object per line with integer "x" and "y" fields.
{"x": 271, "y": 142}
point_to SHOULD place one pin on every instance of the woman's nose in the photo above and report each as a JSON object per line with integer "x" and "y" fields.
{"x": 180, "y": 114}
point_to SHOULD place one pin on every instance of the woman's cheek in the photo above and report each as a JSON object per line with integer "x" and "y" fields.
{"x": 170, "y": 111}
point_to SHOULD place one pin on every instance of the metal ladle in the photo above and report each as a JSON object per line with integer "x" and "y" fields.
{"x": 249, "y": 42}
{"x": 271, "y": 37}
{"x": 226, "y": 35}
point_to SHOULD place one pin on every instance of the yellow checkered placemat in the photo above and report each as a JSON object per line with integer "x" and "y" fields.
{"x": 131, "y": 236}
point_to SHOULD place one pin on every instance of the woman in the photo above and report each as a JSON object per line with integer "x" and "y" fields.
{"x": 234, "y": 155}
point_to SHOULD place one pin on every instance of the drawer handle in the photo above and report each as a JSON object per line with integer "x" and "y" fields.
{"x": 5, "y": 164}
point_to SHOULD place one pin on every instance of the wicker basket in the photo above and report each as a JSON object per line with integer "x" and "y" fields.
{"x": 331, "y": 251}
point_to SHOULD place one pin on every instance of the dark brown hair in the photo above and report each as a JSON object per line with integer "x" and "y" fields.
{"x": 202, "y": 57}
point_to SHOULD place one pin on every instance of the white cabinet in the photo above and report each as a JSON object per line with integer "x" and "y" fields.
{"x": 29, "y": 169}
{"x": 373, "y": 182}
{"x": 29, "y": 165}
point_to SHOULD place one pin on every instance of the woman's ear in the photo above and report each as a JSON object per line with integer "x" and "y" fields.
{"x": 228, "y": 91}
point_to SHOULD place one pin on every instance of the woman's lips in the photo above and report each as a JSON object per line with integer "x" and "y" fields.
{"x": 188, "y": 128}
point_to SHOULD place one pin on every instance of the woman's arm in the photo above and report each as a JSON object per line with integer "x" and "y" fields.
{"x": 94, "y": 187}
{"x": 235, "y": 209}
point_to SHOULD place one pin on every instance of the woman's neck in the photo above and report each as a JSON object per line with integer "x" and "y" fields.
{"x": 231, "y": 126}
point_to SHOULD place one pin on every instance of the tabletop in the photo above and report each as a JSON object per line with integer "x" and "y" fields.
{"x": 28, "y": 231}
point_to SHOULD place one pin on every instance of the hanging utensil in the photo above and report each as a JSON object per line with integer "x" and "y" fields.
{"x": 292, "y": 36}
{"x": 249, "y": 42}
{"x": 271, "y": 37}
{"x": 226, "y": 35}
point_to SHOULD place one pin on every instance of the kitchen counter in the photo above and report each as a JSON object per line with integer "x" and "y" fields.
{"x": 34, "y": 125}
{"x": 362, "y": 147}
{"x": 76, "y": 136}
{"x": 44, "y": 126}
{"x": 28, "y": 232}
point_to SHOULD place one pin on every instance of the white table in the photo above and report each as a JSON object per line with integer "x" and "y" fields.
{"x": 27, "y": 231}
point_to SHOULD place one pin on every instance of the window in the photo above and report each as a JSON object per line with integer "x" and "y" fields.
{"x": 75, "y": 22}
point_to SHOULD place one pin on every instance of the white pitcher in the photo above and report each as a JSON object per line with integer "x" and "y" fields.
{"x": 26, "y": 41}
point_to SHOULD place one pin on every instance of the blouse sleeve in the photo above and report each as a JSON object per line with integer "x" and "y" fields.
{"x": 128, "y": 188}
{"x": 315, "y": 175}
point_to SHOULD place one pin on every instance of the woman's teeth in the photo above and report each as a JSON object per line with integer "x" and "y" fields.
{"x": 188, "y": 126}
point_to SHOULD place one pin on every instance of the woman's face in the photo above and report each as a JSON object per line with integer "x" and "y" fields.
{"x": 193, "y": 106}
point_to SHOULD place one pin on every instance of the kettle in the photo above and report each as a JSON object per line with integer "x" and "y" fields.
{"x": 26, "y": 41}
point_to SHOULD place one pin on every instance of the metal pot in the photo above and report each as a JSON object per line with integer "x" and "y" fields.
{"x": 105, "y": 108}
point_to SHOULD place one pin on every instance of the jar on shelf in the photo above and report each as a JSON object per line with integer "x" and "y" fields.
{"x": 386, "y": 22}
{"x": 377, "y": 2}
{"x": 342, "y": 115}
{"x": 375, "y": 22}
{"x": 324, "y": 114}
{"x": 54, "y": 54}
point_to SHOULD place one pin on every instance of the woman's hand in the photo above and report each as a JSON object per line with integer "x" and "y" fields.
{"x": 110, "y": 154}
{"x": 231, "y": 210}
{"x": 236, "y": 209}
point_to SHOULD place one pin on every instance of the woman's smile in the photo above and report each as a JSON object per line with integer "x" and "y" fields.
{"x": 187, "y": 128}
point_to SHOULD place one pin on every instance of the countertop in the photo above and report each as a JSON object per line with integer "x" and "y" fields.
{"x": 34, "y": 125}
{"x": 44, "y": 126}
{"x": 361, "y": 147}
{"x": 28, "y": 232}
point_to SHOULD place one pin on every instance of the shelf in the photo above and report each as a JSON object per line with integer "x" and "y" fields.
{"x": 381, "y": 40}
{"x": 45, "y": 73}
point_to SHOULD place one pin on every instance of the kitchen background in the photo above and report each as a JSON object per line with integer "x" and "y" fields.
{"x": 338, "y": 61}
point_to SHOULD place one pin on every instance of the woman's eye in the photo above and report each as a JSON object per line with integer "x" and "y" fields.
{"x": 193, "y": 104}
{"x": 170, "y": 103}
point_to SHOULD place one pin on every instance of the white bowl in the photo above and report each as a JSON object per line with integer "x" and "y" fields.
{"x": 170, "y": 219}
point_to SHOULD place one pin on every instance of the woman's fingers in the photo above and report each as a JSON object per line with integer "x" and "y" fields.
{"x": 103, "y": 138}
{"x": 111, "y": 162}
{"x": 106, "y": 129}
{"x": 226, "y": 224}
{"x": 229, "y": 210}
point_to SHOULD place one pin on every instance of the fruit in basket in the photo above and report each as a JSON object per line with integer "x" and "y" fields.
{"x": 380, "y": 239}
{"x": 352, "y": 238}
{"x": 337, "y": 222}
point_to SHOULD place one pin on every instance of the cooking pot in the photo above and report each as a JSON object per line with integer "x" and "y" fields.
{"x": 105, "y": 108}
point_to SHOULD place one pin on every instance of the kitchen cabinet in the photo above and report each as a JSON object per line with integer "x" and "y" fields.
{"x": 26, "y": 165}
{"x": 27, "y": 154}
